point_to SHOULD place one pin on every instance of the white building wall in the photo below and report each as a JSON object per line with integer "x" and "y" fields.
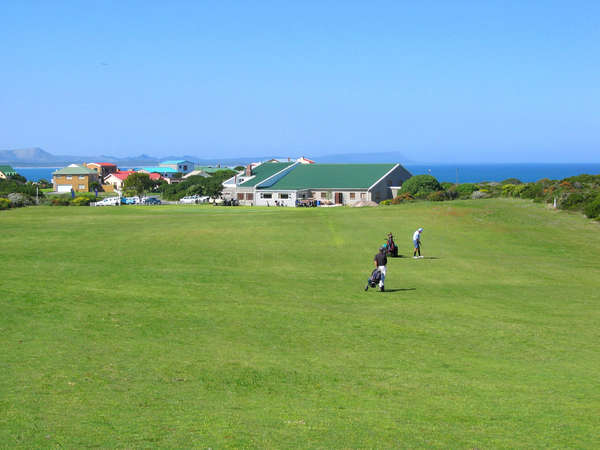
{"x": 261, "y": 200}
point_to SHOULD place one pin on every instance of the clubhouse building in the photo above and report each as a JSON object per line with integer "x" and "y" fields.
{"x": 287, "y": 183}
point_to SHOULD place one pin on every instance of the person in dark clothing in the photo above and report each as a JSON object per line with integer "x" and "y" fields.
{"x": 380, "y": 261}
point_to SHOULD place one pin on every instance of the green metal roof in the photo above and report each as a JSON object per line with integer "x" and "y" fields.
{"x": 75, "y": 170}
{"x": 264, "y": 171}
{"x": 332, "y": 176}
{"x": 8, "y": 171}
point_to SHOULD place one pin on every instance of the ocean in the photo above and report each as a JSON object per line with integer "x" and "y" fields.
{"x": 464, "y": 173}
{"x": 476, "y": 173}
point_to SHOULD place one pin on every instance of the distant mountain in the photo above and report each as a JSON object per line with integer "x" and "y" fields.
{"x": 39, "y": 157}
{"x": 23, "y": 155}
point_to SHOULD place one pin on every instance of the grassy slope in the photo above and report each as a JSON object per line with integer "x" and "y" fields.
{"x": 175, "y": 326}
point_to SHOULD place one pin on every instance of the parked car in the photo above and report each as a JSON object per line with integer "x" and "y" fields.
{"x": 151, "y": 201}
{"x": 108, "y": 201}
{"x": 190, "y": 199}
{"x": 130, "y": 200}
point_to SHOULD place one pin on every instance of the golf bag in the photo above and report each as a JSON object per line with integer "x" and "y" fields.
{"x": 374, "y": 279}
{"x": 392, "y": 248}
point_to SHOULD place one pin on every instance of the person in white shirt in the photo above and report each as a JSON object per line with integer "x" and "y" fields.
{"x": 417, "y": 243}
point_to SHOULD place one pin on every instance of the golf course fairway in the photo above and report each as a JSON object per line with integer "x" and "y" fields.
{"x": 202, "y": 326}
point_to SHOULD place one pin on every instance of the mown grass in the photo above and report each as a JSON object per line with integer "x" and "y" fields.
{"x": 180, "y": 326}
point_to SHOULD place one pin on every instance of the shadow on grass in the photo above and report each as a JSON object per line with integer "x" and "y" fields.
{"x": 398, "y": 290}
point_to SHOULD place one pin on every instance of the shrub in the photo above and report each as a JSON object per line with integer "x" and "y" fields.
{"x": 60, "y": 201}
{"x": 446, "y": 185}
{"x": 508, "y": 190}
{"x": 404, "y": 197}
{"x": 532, "y": 190}
{"x": 592, "y": 207}
{"x": 438, "y": 196}
{"x": 452, "y": 193}
{"x": 421, "y": 185}
{"x": 19, "y": 199}
{"x": 584, "y": 178}
{"x": 573, "y": 200}
{"x": 479, "y": 194}
{"x": 465, "y": 190}
{"x": 386, "y": 202}
{"x": 4, "y": 203}
{"x": 511, "y": 181}
{"x": 80, "y": 201}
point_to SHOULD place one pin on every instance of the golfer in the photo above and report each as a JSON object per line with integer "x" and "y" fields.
{"x": 417, "y": 243}
{"x": 380, "y": 261}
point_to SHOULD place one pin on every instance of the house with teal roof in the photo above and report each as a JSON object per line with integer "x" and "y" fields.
{"x": 181, "y": 165}
{"x": 286, "y": 184}
{"x": 166, "y": 172}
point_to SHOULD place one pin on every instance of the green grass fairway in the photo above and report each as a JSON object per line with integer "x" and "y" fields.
{"x": 180, "y": 326}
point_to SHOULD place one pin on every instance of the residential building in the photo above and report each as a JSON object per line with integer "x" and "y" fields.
{"x": 181, "y": 166}
{"x": 204, "y": 171}
{"x": 165, "y": 172}
{"x": 117, "y": 179}
{"x": 75, "y": 177}
{"x": 7, "y": 171}
{"x": 103, "y": 169}
{"x": 343, "y": 184}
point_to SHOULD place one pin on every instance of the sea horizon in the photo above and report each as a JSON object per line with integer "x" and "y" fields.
{"x": 443, "y": 172}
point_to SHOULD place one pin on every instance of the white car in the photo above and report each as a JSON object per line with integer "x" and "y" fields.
{"x": 190, "y": 199}
{"x": 109, "y": 201}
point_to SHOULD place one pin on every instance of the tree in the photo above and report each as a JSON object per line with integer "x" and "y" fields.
{"x": 95, "y": 185}
{"x": 138, "y": 182}
{"x": 421, "y": 185}
{"x": 238, "y": 168}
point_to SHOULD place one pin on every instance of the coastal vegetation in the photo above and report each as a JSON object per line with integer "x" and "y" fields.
{"x": 577, "y": 193}
{"x": 194, "y": 326}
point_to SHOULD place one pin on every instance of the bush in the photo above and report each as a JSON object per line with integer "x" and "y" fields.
{"x": 446, "y": 185}
{"x": 592, "y": 207}
{"x": 80, "y": 201}
{"x": 479, "y": 194}
{"x": 584, "y": 178}
{"x": 465, "y": 190}
{"x": 438, "y": 196}
{"x": 511, "y": 181}
{"x": 532, "y": 190}
{"x": 19, "y": 199}
{"x": 405, "y": 197}
{"x": 421, "y": 185}
{"x": 451, "y": 194}
{"x": 574, "y": 200}
{"x": 60, "y": 201}
{"x": 4, "y": 203}
{"x": 386, "y": 202}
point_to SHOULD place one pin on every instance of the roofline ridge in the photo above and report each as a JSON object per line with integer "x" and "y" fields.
{"x": 278, "y": 172}
{"x": 385, "y": 175}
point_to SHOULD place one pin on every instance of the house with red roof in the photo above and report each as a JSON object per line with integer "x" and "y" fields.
{"x": 116, "y": 179}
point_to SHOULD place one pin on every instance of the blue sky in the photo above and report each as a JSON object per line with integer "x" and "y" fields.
{"x": 437, "y": 81}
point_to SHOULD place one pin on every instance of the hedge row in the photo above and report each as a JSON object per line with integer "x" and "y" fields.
{"x": 579, "y": 193}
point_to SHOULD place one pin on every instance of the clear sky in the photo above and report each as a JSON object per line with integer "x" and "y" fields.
{"x": 438, "y": 81}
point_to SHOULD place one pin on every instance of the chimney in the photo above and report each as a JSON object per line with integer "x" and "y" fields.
{"x": 248, "y": 172}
